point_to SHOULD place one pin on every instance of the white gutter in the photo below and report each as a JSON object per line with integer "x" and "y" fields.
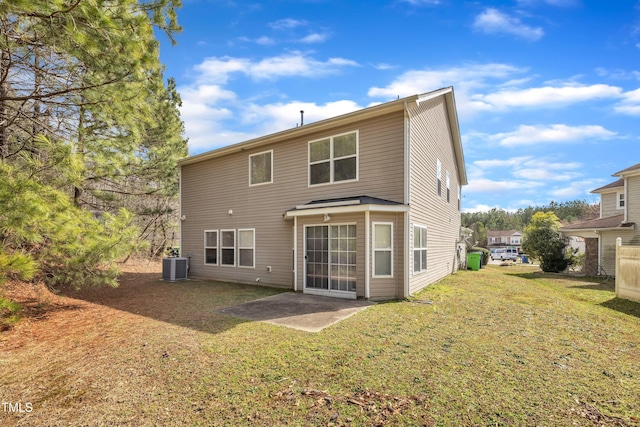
{"x": 346, "y": 209}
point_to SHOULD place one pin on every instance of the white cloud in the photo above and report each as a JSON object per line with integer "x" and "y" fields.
{"x": 465, "y": 80}
{"x": 492, "y": 21}
{"x": 265, "y": 41}
{"x": 548, "y": 96}
{"x": 314, "y": 38}
{"x": 276, "y": 117}
{"x": 421, "y": 2}
{"x": 287, "y": 23}
{"x": 630, "y": 103}
{"x": 557, "y": 133}
{"x": 558, "y": 3}
{"x": 574, "y": 189}
{"x": 218, "y": 69}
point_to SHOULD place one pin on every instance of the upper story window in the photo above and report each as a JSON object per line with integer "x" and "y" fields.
{"x": 261, "y": 168}
{"x": 333, "y": 159}
{"x": 620, "y": 204}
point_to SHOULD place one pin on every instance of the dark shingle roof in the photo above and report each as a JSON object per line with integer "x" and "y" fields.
{"x": 629, "y": 169}
{"x": 616, "y": 221}
{"x": 616, "y": 184}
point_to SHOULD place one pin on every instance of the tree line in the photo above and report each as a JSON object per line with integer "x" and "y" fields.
{"x": 500, "y": 219}
{"x": 90, "y": 133}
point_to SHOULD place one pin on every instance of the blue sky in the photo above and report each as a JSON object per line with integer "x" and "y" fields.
{"x": 547, "y": 91}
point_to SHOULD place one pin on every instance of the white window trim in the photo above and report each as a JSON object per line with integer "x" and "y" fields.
{"x": 258, "y": 154}
{"x": 439, "y": 177}
{"x": 618, "y": 196}
{"x": 235, "y": 250}
{"x": 315, "y": 291}
{"x": 448, "y": 187}
{"x": 374, "y": 250}
{"x": 217, "y": 247}
{"x": 331, "y": 159}
{"x": 253, "y": 247}
{"x": 413, "y": 269}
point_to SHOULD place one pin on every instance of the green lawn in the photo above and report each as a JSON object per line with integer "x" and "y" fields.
{"x": 502, "y": 346}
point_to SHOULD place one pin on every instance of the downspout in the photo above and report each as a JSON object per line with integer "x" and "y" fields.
{"x": 367, "y": 254}
{"x": 181, "y": 217}
{"x": 626, "y": 200}
{"x": 407, "y": 199}
{"x": 295, "y": 254}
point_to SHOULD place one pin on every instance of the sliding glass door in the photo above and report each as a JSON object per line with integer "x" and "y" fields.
{"x": 331, "y": 257}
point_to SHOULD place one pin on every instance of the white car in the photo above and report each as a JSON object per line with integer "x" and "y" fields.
{"x": 503, "y": 254}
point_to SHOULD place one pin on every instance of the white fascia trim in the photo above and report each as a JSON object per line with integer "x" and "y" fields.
{"x": 436, "y": 93}
{"x": 328, "y": 204}
{"x": 346, "y": 209}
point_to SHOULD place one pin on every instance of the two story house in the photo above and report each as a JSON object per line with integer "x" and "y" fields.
{"x": 363, "y": 205}
{"x": 619, "y": 213}
{"x": 504, "y": 238}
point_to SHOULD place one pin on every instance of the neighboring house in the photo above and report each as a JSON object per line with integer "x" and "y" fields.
{"x": 364, "y": 205}
{"x": 505, "y": 238}
{"x": 619, "y": 213}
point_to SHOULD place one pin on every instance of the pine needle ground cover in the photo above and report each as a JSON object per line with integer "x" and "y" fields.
{"x": 501, "y": 346}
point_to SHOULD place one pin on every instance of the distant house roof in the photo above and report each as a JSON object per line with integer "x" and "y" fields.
{"x": 502, "y": 233}
{"x": 608, "y": 223}
{"x": 617, "y": 184}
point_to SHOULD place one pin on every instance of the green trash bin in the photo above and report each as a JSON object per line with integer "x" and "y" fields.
{"x": 474, "y": 259}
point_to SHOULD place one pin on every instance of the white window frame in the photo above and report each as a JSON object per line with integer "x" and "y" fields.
{"x": 620, "y": 200}
{"x": 332, "y": 159}
{"x": 375, "y": 249}
{"x": 448, "y": 187}
{"x": 235, "y": 257}
{"x": 419, "y": 248}
{"x": 252, "y": 247}
{"x": 270, "y": 166}
{"x": 216, "y": 247}
{"x": 439, "y": 177}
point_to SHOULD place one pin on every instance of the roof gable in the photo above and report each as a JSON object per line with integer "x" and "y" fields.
{"x": 401, "y": 104}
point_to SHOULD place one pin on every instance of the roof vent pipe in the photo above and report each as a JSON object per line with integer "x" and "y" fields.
{"x": 301, "y": 117}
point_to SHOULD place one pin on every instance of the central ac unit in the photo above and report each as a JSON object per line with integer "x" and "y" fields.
{"x": 174, "y": 269}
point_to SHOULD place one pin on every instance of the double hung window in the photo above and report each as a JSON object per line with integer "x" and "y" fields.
{"x": 246, "y": 248}
{"x": 382, "y": 250}
{"x": 211, "y": 247}
{"x": 419, "y": 248}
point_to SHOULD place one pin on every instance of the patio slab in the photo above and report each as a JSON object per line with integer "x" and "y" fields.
{"x": 309, "y": 313}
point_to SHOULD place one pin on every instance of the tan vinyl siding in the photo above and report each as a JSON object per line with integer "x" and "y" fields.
{"x": 211, "y": 188}
{"x": 430, "y": 139}
{"x": 609, "y": 205}
{"x": 384, "y": 288}
{"x": 633, "y": 201}
{"x": 608, "y": 248}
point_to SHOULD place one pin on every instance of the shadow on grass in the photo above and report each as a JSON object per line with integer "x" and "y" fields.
{"x": 599, "y": 283}
{"x": 188, "y": 303}
{"x": 625, "y": 306}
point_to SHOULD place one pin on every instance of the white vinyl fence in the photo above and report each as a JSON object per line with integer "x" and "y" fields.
{"x": 627, "y": 271}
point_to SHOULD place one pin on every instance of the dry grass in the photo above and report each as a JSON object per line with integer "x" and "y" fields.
{"x": 502, "y": 346}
